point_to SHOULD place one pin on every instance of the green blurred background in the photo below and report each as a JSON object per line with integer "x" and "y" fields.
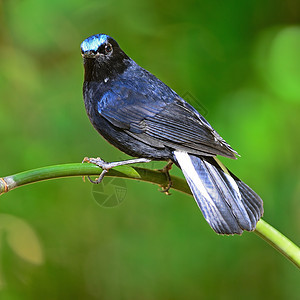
{"x": 238, "y": 60}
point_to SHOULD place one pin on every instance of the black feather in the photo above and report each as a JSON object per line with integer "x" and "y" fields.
{"x": 143, "y": 117}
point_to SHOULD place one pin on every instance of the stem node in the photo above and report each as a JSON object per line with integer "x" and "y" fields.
{"x": 3, "y": 186}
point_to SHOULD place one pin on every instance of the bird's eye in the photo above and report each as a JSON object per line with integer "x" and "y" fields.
{"x": 108, "y": 49}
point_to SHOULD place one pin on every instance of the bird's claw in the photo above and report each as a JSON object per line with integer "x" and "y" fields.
{"x": 166, "y": 170}
{"x": 166, "y": 190}
{"x": 100, "y": 163}
{"x": 105, "y": 166}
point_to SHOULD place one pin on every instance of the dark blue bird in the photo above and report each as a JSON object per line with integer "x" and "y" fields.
{"x": 143, "y": 117}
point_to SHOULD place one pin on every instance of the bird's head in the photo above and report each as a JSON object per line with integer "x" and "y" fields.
{"x": 102, "y": 57}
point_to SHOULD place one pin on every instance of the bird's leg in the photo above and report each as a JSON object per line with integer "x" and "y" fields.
{"x": 166, "y": 170}
{"x": 106, "y": 166}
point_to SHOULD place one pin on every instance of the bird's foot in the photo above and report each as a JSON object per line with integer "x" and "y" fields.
{"x": 166, "y": 170}
{"x": 100, "y": 163}
{"x": 106, "y": 166}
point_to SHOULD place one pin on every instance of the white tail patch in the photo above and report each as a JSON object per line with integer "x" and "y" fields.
{"x": 216, "y": 193}
{"x": 189, "y": 171}
{"x": 231, "y": 180}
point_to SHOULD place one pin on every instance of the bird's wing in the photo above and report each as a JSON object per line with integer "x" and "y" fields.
{"x": 156, "y": 119}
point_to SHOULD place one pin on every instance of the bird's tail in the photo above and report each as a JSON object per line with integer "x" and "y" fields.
{"x": 227, "y": 203}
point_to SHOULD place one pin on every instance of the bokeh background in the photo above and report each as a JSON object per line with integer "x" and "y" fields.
{"x": 239, "y": 63}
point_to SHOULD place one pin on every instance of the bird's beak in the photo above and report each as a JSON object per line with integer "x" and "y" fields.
{"x": 89, "y": 54}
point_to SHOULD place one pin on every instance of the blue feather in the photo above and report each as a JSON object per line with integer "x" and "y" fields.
{"x": 93, "y": 42}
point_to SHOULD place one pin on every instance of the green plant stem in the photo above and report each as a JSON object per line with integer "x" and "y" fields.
{"x": 278, "y": 241}
{"x": 77, "y": 169}
{"x": 263, "y": 229}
